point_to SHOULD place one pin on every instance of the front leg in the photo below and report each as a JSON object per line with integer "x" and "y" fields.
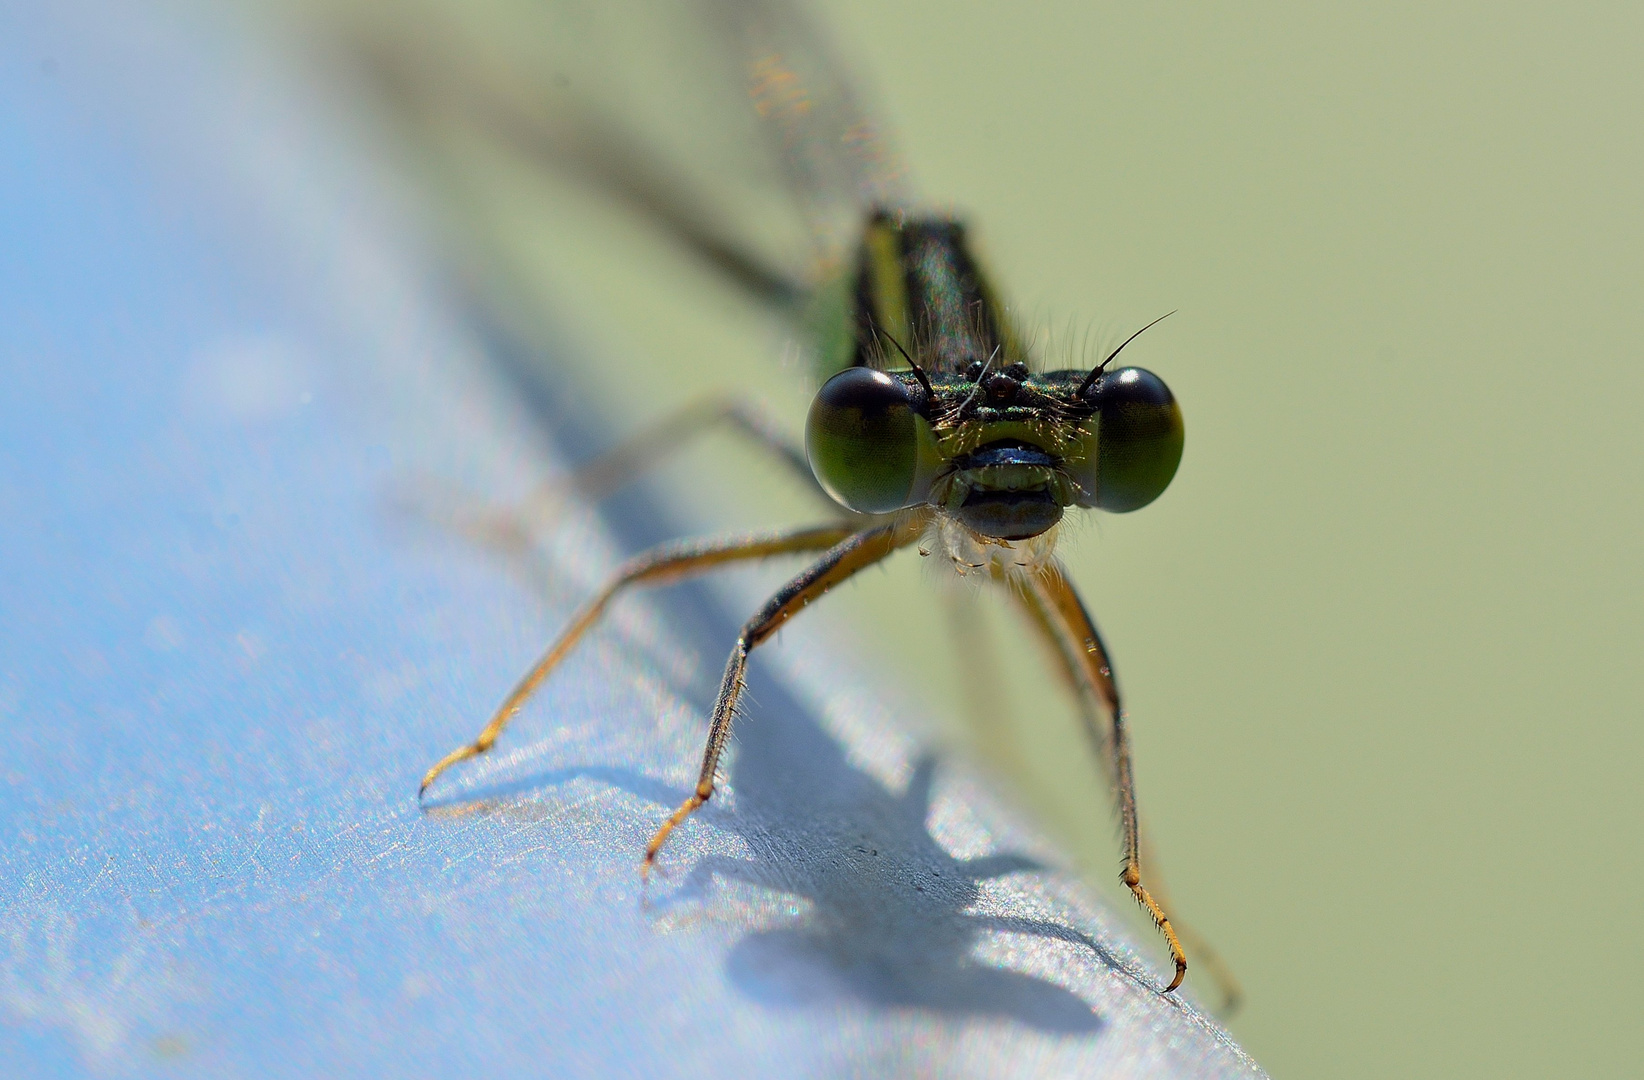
{"x": 839, "y": 563}
{"x": 1057, "y": 610}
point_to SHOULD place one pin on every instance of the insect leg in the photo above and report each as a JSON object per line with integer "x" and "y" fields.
{"x": 841, "y": 561}
{"x": 666, "y": 563}
{"x": 643, "y": 450}
{"x": 512, "y": 528}
{"x": 1206, "y": 960}
{"x": 1056, "y": 608}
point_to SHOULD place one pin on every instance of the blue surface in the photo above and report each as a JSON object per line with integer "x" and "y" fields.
{"x": 225, "y": 658}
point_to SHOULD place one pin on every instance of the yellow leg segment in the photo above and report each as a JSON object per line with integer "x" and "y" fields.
{"x": 667, "y": 563}
{"x": 1056, "y": 609}
{"x": 841, "y": 561}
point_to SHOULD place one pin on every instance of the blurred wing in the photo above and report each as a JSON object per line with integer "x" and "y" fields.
{"x": 729, "y": 125}
{"x": 836, "y": 161}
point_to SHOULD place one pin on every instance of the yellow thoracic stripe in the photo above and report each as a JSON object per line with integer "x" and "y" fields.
{"x": 887, "y": 280}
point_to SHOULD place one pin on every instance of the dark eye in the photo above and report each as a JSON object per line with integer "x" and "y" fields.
{"x": 1138, "y": 439}
{"x": 865, "y": 443}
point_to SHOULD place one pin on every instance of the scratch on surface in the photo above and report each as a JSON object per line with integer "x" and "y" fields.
{"x": 251, "y": 856}
{"x": 108, "y": 866}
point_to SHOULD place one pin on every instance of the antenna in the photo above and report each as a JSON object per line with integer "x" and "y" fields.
{"x": 1096, "y": 372}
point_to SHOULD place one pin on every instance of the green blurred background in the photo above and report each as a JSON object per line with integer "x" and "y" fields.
{"x": 1378, "y": 638}
{"x": 1381, "y": 637}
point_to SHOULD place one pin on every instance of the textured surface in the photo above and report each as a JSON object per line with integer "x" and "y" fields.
{"x": 225, "y": 658}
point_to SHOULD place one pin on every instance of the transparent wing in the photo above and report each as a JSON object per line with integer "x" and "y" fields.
{"x": 835, "y": 159}
{"x": 728, "y": 124}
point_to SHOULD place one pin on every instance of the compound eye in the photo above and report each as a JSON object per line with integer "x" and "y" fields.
{"x": 1139, "y": 438}
{"x": 863, "y": 441}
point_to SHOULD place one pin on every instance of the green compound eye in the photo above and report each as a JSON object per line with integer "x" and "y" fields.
{"x": 867, "y": 446}
{"x": 1138, "y": 441}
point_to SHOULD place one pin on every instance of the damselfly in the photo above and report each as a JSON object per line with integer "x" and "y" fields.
{"x": 935, "y": 426}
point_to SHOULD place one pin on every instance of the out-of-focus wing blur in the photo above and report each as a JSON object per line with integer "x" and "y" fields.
{"x": 730, "y": 125}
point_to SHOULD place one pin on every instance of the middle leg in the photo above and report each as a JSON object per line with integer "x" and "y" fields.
{"x": 663, "y": 564}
